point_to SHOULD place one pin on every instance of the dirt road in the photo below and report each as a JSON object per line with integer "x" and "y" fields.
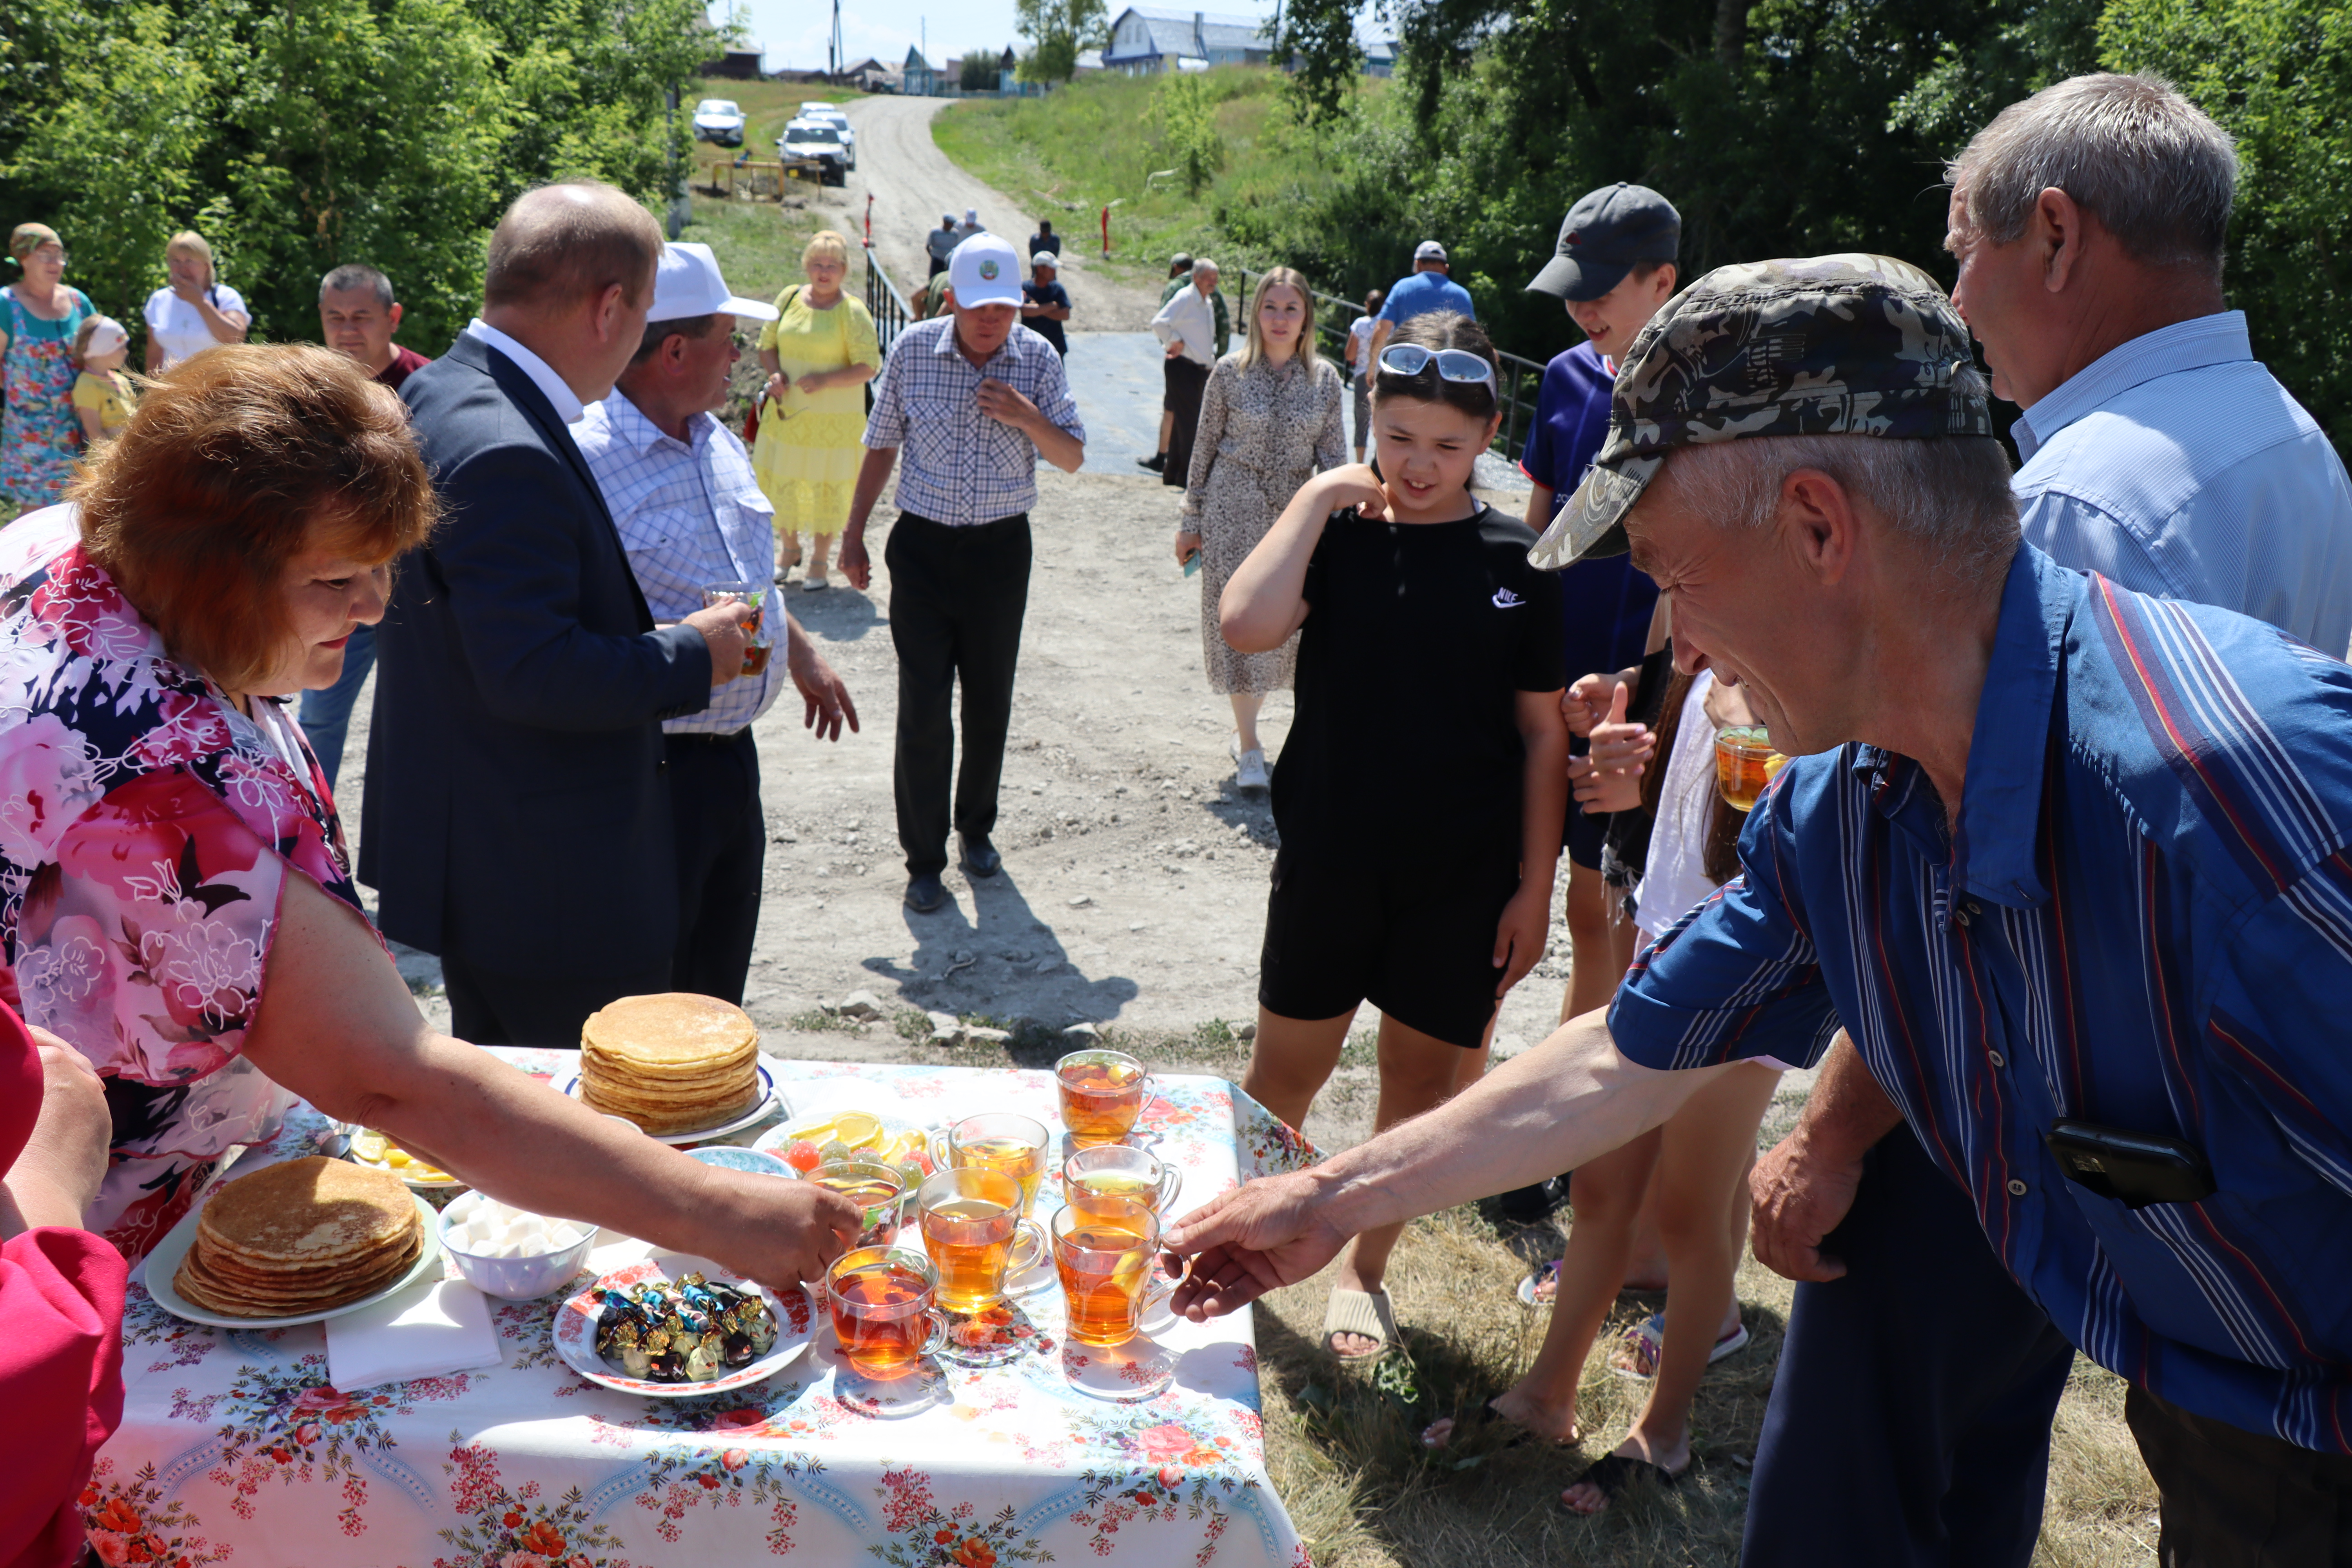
{"x": 913, "y": 183}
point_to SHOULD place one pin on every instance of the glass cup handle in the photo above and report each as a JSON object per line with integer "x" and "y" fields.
{"x": 1151, "y": 1097}
{"x": 1159, "y": 1291}
{"x": 1171, "y": 1182}
{"x": 1029, "y": 1246}
{"x": 938, "y": 1335}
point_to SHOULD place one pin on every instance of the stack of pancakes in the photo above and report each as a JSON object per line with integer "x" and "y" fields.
{"x": 671, "y": 1063}
{"x": 299, "y": 1237}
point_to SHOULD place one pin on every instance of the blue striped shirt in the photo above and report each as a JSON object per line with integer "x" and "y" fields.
{"x": 2176, "y": 465}
{"x": 2144, "y": 920}
{"x": 690, "y": 516}
{"x": 956, "y": 465}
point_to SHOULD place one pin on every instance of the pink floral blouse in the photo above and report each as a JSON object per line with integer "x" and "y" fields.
{"x": 145, "y": 830}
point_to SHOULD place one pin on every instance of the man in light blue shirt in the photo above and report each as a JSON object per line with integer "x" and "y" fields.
{"x": 1427, "y": 288}
{"x": 1909, "y": 1423}
{"x": 690, "y": 515}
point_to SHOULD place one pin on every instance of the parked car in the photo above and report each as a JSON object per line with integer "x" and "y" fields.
{"x": 719, "y": 120}
{"x": 815, "y": 138}
{"x": 831, "y": 114}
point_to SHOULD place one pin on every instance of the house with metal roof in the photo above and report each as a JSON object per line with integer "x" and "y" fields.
{"x": 1144, "y": 42}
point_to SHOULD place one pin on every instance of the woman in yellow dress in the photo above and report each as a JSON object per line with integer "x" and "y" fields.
{"x": 818, "y": 351}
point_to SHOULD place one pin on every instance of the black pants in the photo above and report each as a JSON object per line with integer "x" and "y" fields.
{"x": 722, "y": 845}
{"x": 2234, "y": 1498}
{"x": 1186, "y": 382}
{"x": 494, "y": 1009}
{"x": 938, "y": 267}
{"x": 957, "y": 596}
{"x": 1909, "y": 1424}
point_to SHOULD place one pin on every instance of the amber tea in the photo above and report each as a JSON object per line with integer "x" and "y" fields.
{"x": 999, "y": 1141}
{"x": 881, "y": 1305}
{"x": 1104, "y": 1257}
{"x": 1745, "y": 763}
{"x": 969, "y": 1218}
{"x": 1102, "y": 1095}
{"x": 1112, "y": 1173}
{"x": 875, "y": 1188}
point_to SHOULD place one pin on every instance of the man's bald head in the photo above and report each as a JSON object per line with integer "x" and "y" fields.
{"x": 562, "y": 246}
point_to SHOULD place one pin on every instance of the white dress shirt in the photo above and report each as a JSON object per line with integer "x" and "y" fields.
{"x": 543, "y": 374}
{"x": 178, "y": 327}
{"x": 2177, "y": 465}
{"x": 1189, "y": 317}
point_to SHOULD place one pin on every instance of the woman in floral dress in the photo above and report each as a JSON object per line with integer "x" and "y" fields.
{"x": 818, "y": 351}
{"x": 40, "y": 438}
{"x": 1270, "y": 421}
{"x": 167, "y": 841}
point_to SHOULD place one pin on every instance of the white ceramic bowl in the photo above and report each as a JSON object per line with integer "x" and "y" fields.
{"x": 519, "y": 1279}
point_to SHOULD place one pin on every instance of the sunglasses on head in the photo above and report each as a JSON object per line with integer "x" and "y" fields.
{"x": 1458, "y": 365}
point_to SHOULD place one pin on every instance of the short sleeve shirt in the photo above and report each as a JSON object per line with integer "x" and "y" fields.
{"x": 956, "y": 465}
{"x": 1605, "y": 604}
{"x": 1047, "y": 327}
{"x": 405, "y": 363}
{"x": 1419, "y": 638}
{"x": 180, "y": 328}
{"x": 146, "y": 830}
{"x": 1422, "y": 292}
{"x": 109, "y": 396}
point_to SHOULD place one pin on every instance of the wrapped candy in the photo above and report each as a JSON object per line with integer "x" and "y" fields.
{"x": 683, "y": 1331}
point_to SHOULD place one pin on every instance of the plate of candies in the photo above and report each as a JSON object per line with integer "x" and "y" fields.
{"x": 676, "y": 1328}
{"x": 819, "y": 1140}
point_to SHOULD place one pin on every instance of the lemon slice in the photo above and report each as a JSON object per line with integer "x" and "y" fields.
{"x": 1773, "y": 764}
{"x": 369, "y": 1145}
{"x": 857, "y": 1128}
{"x": 817, "y": 1132}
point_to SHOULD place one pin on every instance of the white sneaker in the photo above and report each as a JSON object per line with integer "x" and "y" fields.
{"x": 1249, "y": 767}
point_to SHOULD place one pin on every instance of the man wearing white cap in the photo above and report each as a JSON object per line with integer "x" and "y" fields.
{"x": 982, "y": 396}
{"x": 1429, "y": 287}
{"x": 691, "y": 517}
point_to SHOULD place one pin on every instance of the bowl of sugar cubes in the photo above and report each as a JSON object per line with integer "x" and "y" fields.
{"x": 508, "y": 1252}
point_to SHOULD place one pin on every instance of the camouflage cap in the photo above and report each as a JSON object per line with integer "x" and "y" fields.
{"x": 1852, "y": 345}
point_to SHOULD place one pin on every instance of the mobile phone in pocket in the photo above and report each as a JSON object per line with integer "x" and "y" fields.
{"x": 2135, "y": 1169}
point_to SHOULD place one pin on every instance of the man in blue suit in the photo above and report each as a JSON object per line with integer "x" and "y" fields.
{"x": 517, "y": 820}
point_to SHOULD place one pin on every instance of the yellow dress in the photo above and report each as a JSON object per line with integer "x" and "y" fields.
{"x": 809, "y": 447}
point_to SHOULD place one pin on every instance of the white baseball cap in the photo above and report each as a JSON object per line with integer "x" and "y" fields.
{"x": 985, "y": 270}
{"x": 1046, "y": 258}
{"x": 1428, "y": 250}
{"x": 686, "y": 283}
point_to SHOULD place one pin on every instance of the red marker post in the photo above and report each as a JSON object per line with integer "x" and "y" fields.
{"x": 1106, "y": 225}
{"x": 869, "y": 220}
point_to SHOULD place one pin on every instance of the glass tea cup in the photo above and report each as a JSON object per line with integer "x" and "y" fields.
{"x": 1105, "y": 1254}
{"x": 878, "y": 1191}
{"x": 763, "y": 642}
{"x": 971, "y": 1218}
{"x": 1111, "y": 1171}
{"x": 881, "y": 1299}
{"x": 1745, "y": 763}
{"x": 1103, "y": 1094}
{"x": 1019, "y": 1146}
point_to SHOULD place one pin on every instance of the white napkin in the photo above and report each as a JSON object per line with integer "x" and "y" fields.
{"x": 424, "y": 1331}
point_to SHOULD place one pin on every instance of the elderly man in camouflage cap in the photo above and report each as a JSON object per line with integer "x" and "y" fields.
{"x": 2072, "y": 866}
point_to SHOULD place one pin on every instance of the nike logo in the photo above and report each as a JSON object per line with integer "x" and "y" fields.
{"x": 1506, "y": 600}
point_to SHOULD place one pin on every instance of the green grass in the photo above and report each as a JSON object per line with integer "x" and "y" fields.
{"x": 1093, "y": 143}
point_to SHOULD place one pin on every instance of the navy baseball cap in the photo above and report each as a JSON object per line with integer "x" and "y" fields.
{"x": 1603, "y": 236}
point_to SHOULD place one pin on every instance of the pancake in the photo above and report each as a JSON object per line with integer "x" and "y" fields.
{"x": 299, "y": 1237}
{"x": 670, "y": 1063}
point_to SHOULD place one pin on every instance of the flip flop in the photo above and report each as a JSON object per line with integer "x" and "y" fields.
{"x": 1648, "y": 1342}
{"x": 1366, "y": 1312}
{"x": 1474, "y": 1422}
{"x": 1615, "y": 1472}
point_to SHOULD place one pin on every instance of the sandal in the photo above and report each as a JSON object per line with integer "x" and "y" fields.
{"x": 1472, "y": 1423}
{"x": 1615, "y": 1472}
{"x": 1366, "y": 1312}
{"x": 1647, "y": 1341}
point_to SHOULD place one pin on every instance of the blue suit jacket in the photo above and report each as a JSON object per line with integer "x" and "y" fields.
{"x": 517, "y": 808}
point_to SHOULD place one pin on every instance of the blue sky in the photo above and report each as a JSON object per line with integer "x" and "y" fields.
{"x": 794, "y": 31}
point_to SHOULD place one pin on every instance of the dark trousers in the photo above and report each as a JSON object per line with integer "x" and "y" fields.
{"x": 1186, "y": 382}
{"x": 722, "y": 847}
{"x": 1909, "y": 1424}
{"x": 494, "y": 1009}
{"x": 2234, "y": 1498}
{"x": 938, "y": 267}
{"x": 957, "y": 596}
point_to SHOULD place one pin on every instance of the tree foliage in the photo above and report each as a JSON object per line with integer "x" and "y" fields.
{"x": 1319, "y": 38}
{"x": 1184, "y": 110}
{"x": 300, "y": 135}
{"x": 1058, "y": 31}
{"x": 977, "y": 71}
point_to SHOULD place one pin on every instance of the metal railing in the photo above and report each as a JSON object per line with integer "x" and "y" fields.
{"x": 1518, "y": 379}
{"x": 892, "y": 314}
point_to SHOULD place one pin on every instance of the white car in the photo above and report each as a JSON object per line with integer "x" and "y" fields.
{"x": 819, "y": 139}
{"x": 831, "y": 114}
{"x": 719, "y": 120}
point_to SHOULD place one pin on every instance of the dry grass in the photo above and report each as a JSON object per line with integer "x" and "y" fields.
{"x": 1341, "y": 1443}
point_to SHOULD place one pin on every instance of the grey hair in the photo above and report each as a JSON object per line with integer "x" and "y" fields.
{"x": 1950, "y": 493}
{"x": 1202, "y": 264}
{"x": 2131, "y": 151}
{"x": 353, "y": 276}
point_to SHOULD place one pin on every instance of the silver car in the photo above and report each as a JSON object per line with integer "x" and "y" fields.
{"x": 721, "y": 120}
{"x": 831, "y": 114}
{"x": 815, "y": 138}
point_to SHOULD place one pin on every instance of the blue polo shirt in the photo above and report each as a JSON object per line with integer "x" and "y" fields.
{"x": 1418, "y": 293}
{"x": 2144, "y": 920}
{"x": 1605, "y": 605}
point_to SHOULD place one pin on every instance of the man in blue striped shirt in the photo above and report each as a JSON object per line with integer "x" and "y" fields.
{"x": 2072, "y": 866}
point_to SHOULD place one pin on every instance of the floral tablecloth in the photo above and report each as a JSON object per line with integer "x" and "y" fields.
{"x": 234, "y": 1448}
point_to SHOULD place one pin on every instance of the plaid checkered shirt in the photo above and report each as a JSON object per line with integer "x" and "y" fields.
{"x": 956, "y": 465}
{"x": 689, "y": 516}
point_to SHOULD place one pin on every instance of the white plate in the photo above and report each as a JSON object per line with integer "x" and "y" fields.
{"x": 576, "y": 1329}
{"x": 164, "y": 1262}
{"x": 768, "y": 1101}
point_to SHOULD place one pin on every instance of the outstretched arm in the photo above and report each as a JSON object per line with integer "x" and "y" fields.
{"x": 1559, "y": 1106}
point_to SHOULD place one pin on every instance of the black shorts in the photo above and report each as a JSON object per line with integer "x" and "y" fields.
{"x": 1417, "y": 942}
{"x": 1583, "y": 835}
